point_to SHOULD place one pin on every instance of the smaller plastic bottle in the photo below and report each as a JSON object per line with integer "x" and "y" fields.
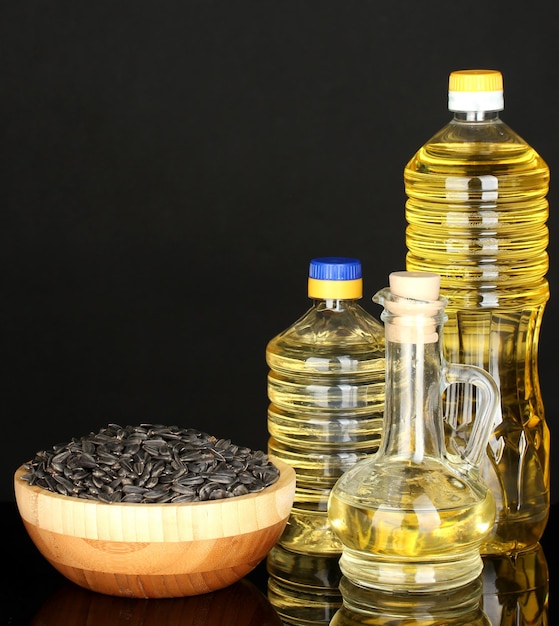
{"x": 326, "y": 392}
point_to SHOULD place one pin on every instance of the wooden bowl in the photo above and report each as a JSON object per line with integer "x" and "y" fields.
{"x": 155, "y": 550}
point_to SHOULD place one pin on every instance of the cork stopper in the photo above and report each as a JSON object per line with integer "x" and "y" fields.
{"x": 415, "y": 285}
{"x": 414, "y": 307}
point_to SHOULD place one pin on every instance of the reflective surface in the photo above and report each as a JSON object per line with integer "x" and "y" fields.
{"x": 241, "y": 604}
{"x": 516, "y": 590}
{"x": 286, "y": 589}
{"x": 456, "y": 607}
{"x": 511, "y": 591}
{"x": 303, "y": 589}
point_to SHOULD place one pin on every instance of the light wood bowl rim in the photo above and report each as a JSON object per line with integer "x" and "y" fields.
{"x": 153, "y": 522}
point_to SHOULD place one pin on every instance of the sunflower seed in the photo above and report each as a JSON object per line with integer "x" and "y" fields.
{"x": 150, "y": 463}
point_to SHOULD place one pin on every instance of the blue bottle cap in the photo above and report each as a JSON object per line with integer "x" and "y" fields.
{"x": 335, "y": 268}
{"x": 335, "y": 278}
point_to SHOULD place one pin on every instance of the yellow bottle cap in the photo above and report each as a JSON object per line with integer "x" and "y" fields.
{"x": 475, "y": 90}
{"x": 475, "y": 80}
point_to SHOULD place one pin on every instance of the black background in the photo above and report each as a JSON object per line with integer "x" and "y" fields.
{"x": 170, "y": 168}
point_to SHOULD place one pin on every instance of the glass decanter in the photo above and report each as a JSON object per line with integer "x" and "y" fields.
{"x": 413, "y": 515}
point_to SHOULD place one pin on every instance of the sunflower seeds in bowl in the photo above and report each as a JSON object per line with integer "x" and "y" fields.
{"x": 150, "y": 463}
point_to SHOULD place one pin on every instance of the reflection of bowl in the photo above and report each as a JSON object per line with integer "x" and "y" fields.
{"x": 240, "y": 604}
{"x": 155, "y": 550}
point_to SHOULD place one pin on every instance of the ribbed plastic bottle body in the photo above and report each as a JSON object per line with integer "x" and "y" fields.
{"x": 477, "y": 213}
{"x": 326, "y": 392}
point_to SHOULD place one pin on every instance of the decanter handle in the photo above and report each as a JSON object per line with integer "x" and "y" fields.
{"x": 488, "y": 405}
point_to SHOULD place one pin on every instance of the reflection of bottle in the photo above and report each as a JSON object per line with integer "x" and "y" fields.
{"x": 304, "y": 589}
{"x": 373, "y": 607}
{"x": 516, "y": 588}
{"x": 476, "y": 214}
{"x": 326, "y": 391}
{"x": 413, "y": 515}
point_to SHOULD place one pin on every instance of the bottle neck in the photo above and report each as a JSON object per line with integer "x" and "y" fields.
{"x": 334, "y": 304}
{"x": 476, "y": 116}
{"x": 413, "y": 402}
{"x": 413, "y": 413}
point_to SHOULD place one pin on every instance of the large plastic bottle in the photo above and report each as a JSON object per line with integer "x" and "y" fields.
{"x": 326, "y": 391}
{"x": 477, "y": 214}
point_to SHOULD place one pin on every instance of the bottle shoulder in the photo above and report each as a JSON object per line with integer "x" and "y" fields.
{"x": 494, "y": 131}
{"x": 478, "y": 142}
{"x": 478, "y": 149}
{"x": 321, "y": 325}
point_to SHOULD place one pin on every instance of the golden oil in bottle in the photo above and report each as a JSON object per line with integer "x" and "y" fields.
{"x": 476, "y": 214}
